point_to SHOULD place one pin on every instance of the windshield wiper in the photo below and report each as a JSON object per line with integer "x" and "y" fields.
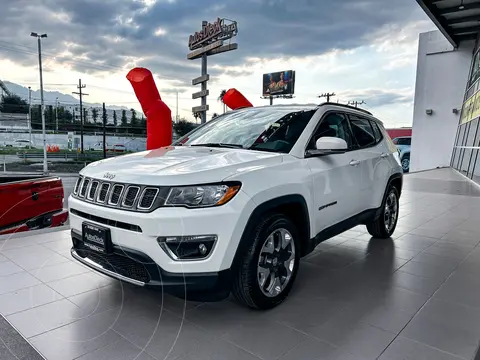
{"x": 220, "y": 145}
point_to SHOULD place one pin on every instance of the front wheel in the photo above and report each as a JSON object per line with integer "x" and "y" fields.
{"x": 268, "y": 269}
{"x": 385, "y": 225}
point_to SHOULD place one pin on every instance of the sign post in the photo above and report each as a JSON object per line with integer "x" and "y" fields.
{"x": 207, "y": 42}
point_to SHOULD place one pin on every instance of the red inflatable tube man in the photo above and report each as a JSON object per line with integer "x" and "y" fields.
{"x": 234, "y": 99}
{"x": 159, "y": 116}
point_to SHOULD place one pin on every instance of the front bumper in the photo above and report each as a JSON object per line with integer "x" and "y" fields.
{"x": 139, "y": 269}
{"x": 140, "y": 231}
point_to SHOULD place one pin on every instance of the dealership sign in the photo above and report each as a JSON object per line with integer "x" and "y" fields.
{"x": 221, "y": 29}
{"x": 204, "y": 43}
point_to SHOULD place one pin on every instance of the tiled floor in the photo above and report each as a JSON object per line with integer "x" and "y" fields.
{"x": 415, "y": 296}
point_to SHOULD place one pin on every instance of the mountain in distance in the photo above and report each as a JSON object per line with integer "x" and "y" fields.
{"x": 49, "y": 97}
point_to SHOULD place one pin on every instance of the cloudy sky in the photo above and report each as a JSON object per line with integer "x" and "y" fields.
{"x": 359, "y": 49}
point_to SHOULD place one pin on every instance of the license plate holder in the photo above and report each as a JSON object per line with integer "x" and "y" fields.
{"x": 97, "y": 238}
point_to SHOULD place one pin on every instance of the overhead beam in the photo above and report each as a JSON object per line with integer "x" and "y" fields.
{"x": 440, "y": 23}
{"x": 466, "y": 37}
{"x": 464, "y": 19}
{"x": 466, "y": 30}
{"x": 455, "y": 9}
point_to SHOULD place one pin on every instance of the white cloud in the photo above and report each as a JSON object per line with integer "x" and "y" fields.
{"x": 160, "y": 32}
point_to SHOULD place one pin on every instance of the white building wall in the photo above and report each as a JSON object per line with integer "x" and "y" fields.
{"x": 442, "y": 74}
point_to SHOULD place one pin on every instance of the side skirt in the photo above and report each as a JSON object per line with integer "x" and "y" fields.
{"x": 360, "y": 219}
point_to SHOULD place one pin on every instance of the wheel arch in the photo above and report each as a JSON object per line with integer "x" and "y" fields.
{"x": 293, "y": 206}
{"x": 394, "y": 180}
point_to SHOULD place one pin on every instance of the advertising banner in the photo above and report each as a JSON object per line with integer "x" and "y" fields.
{"x": 279, "y": 83}
{"x": 470, "y": 109}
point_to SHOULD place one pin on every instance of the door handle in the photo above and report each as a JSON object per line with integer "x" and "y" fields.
{"x": 354, "y": 163}
{"x": 384, "y": 155}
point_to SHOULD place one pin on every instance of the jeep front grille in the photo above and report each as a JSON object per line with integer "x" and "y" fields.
{"x": 130, "y": 197}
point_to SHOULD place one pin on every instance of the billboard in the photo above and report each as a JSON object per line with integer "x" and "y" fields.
{"x": 279, "y": 83}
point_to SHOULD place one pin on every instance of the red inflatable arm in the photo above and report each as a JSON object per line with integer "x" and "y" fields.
{"x": 234, "y": 99}
{"x": 159, "y": 116}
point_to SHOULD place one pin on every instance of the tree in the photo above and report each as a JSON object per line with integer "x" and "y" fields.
{"x": 220, "y": 98}
{"x": 115, "y": 123}
{"x": 183, "y": 127}
{"x": 49, "y": 117}
{"x": 143, "y": 124}
{"x": 85, "y": 114}
{"x": 124, "y": 121}
{"x": 94, "y": 115}
{"x": 36, "y": 117}
{"x": 13, "y": 104}
{"x": 133, "y": 119}
{"x": 67, "y": 116}
{"x": 104, "y": 115}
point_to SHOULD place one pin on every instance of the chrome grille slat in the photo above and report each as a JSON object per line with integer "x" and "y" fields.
{"x": 77, "y": 185}
{"x": 130, "y": 196}
{"x": 85, "y": 184}
{"x": 147, "y": 198}
{"x": 92, "y": 190}
{"x": 102, "y": 194}
{"x": 115, "y": 194}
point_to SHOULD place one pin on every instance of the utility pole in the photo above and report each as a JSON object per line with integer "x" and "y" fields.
{"x": 104, "y": 118}
{"x": 356, "y": 103}
{"x": 39, "y": 37}
{"x": 81, "y": 94}
{"x": 56, "y": 114}
{"x": 327, "y": 95}
{"x": 30, "y": 116}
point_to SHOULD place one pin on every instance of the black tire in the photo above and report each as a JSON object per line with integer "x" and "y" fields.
{"x": 246, "y": 287}
{"x": 378, "y": 228}
{"x": 406, "y": 163}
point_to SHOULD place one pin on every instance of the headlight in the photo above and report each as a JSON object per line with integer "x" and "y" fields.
{"x": 201, "y": 195}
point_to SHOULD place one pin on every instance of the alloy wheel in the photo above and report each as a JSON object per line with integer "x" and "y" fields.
{"x": 276, "y": 262}
{"x": 391, "y": 211}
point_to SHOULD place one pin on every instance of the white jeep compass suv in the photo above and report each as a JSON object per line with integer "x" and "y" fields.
{"x": 234, "y": 205}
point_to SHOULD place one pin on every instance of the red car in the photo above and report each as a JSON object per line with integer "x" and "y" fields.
{"x": 31, "y": 202}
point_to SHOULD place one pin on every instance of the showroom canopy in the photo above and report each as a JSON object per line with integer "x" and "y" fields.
{"x": 458, "y": 20}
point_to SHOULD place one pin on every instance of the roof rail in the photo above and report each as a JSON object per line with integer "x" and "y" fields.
{"x": 346, "y": 106}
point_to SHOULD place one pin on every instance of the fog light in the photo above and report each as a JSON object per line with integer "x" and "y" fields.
{"x": 203, "y": 249}
{"x": 194, "y": 247}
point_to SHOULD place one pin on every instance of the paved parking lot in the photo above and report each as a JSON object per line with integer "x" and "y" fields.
{"x": 415, "y": 296}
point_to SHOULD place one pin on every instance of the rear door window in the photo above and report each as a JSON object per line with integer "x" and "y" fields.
{"x": 362, "y": 131}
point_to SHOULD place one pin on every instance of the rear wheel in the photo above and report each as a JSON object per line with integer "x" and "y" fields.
{"x": 268, "y": 269}
{"x": 385, "y": 225}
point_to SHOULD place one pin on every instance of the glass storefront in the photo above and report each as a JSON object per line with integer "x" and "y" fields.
{"x": 465, "y": 156}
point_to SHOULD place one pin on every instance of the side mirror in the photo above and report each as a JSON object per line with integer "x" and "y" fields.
{"x": 327, "y": 145}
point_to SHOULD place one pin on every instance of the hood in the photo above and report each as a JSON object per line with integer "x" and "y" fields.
{"x": 181, "y": 165}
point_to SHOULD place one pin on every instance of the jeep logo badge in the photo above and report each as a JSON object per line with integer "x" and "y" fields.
{"x": 108, "y": 176}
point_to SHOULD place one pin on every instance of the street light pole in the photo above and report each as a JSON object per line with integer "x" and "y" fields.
{"x": 56, "y": 114}
{"x": 39, "y": 37}
{"x": 30, "y": 116}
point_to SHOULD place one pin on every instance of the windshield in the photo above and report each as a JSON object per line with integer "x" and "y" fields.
{"x": 265, "y": 129}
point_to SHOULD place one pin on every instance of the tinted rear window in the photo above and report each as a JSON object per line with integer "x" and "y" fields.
{"x": 404, "y": 141}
